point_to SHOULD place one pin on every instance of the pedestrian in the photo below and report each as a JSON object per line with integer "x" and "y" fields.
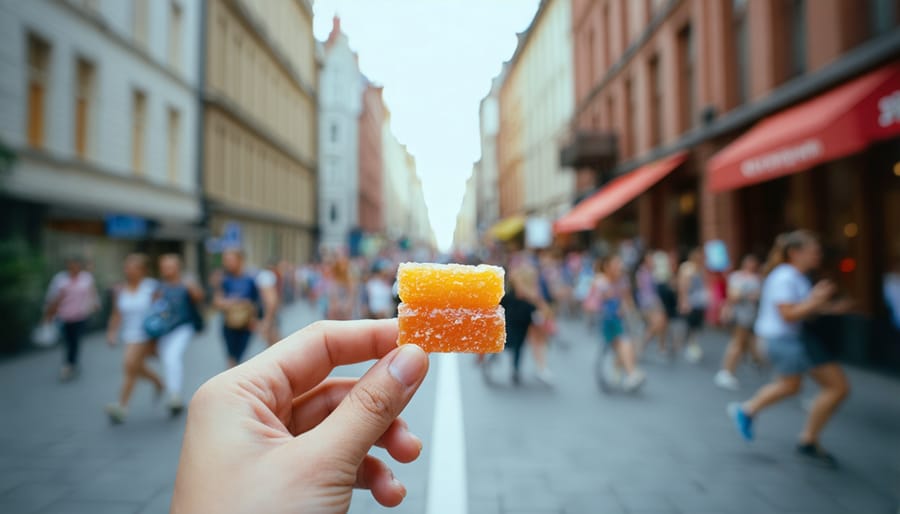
{"x": 788, "y": 304}
{"x": 247, "y": 451}
{"x": 268, "y": 283}
{"x": 238, "y": 298}
{"x": 650, "y": 304}
{"x": 341, "y": 291}
{"x": 744, "y": 286}
{"x": 693, "y": 300}
{"x": 378, "y": 291}
{"x": 183, "y": 299}
{"x": 130, "y": 307}
{"x": 71, "y": 299}
{"x": 533, "y": 286}
{"x": 519, "y": 310}
{"x": 615, "y": 299}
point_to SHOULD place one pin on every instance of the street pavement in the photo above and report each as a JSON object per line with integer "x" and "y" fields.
{"x": 529, "y": 449}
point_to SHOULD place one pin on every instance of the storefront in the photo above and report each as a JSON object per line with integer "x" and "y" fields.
{"x": 830, "y": 165}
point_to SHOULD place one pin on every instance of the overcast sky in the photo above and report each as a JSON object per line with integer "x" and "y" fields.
{"x": 435, "y": 59}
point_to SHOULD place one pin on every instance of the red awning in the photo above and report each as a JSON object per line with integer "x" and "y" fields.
{"x": 835, "y": 124}
{"x": 616, "y": 194}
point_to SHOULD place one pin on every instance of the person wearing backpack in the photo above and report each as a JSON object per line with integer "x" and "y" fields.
{"x": 174, "y": 319}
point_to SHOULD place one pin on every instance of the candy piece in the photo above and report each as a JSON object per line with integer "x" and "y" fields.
{"x": 450, "y": 285}
{"x": 453, "y": 329}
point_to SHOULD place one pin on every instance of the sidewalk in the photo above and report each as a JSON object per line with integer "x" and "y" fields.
{"x": 670, "y": 448}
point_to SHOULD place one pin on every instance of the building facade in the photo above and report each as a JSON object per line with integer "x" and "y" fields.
{"x": 340, "y": 106}
{"x": 397, "y": 206}
{"x": 260, "y": 127}
{"x": 99, "y": 111}
{"x": 465, "y": 235}
{"x": 536, "y": 101}
{"x": 691, "y": 76}
{"x": 486, "y": 173}
{"x": 371, "y": 161}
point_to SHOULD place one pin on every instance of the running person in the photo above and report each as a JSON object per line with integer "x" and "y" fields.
{"x": 743, "y": 296}
{"x": 788, "y": 300}
{"x": 131, "y": 304}
{"x": 614, "y": 295}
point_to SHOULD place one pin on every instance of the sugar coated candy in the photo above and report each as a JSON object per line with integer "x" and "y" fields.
{"x": 451, "y": 307}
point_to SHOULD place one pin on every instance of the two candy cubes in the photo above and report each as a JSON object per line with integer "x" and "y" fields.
{"x": 451, "y": 307}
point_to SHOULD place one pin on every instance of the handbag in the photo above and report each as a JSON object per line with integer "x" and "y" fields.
{"x": 46, "y": 334}
{"x": 161, "y": 319}
{"x": 239, "y": 315}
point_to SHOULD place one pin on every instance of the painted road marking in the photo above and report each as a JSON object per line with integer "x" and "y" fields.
{"x": 447, "y": 469}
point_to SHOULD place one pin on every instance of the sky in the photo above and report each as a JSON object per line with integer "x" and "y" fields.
{"x": 435, "y": 59}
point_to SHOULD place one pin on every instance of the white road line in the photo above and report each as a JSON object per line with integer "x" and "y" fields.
{"x": 447, "y": 469}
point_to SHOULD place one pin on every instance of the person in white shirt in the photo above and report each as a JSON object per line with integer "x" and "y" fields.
{"x": 744, "y": 287}
{"x": 789, "y": 299}
{"x": 267, "y": 282}
{"x": 130, "y": 306}
{"x": 379, "y": 293}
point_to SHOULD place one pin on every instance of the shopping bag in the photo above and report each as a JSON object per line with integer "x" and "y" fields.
{"x": 45, "y": 334}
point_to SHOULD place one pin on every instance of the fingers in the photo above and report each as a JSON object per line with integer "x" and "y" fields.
{"x": 400, "y": 443}
{"x": 376, "y": 476}
{"x": 369, "y": 409}
{"x": 307, "y": 356}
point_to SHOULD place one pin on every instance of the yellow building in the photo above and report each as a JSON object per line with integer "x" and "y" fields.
{"x": 260, "y": 126}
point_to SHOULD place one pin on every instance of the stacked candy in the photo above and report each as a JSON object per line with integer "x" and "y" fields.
{"x": 451, "y": 307}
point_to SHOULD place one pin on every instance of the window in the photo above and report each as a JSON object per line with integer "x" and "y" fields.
{"x": 796, "y": 37}
{"x": 656, "y": 98}
{"x": 84, "y": 96}
{"x": 175, "y": 22}
{"x": 688, "y": 88}
{"x": 630, "y": 122}
{"x": 38, "y": 78}
{"x": 334, "y": 213}
{"x": 334, "y": 133}
{"x": 139, "y": 21}
{"x": 173, "y": 148}
{"x": 607, "y": 39}
{"x": 138, "y": 125}
{"x": 883, "y": 16}
{"x": 740, "y": 33}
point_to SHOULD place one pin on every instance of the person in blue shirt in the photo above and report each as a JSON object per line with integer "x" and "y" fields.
{"x": 238, "y": 298}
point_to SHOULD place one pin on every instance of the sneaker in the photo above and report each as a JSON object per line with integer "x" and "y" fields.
{"x": 693, "y": 353}
{"x": 545, "y": 377}
{"x": 634, "y": 381}
{"x": 742, "y": 421}
{"x": 817, "y": 455}
{"x": 726, "y": 380}
{"x": 116, "y": 413}
{"x": 175, "y": 406}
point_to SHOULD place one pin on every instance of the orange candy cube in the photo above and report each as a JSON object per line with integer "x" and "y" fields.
{"x": 451, "y": 307}
{"x": 450, "y": 285}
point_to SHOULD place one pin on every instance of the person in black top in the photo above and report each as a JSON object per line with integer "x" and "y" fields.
{"x": 520, "y": 311}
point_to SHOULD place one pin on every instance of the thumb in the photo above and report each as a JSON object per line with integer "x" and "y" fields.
{"x": 371, "y": 406}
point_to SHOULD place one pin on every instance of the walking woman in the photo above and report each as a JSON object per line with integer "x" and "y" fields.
{"x": 650, "y": 304}
{"x": 342, "y": 291}
{"x": 788, "y": 301}
{"x": 615, "y": 297}
{"x": 71, "y": 299}
{"x": 693, "y": 299}
{"x": 743, "y": 295}
{"x": 130, "y": 306}
{"x": 183, "y": 298}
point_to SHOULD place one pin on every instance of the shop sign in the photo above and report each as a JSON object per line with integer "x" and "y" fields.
{"x": 786, "y": 157}
{"x": 126, "y": 226}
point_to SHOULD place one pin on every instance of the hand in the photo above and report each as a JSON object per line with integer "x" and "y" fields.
{"x": 275, "y": 435}
{"x": 842, "y": 306}
{"x": 822, "y": 292}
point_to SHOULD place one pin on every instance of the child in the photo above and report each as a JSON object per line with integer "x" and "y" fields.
{"x": 612, "y": 288}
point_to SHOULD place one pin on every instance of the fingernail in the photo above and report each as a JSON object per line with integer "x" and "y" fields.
{"x": 407, "y": 365}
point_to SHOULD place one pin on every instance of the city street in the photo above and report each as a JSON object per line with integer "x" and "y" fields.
{"x": 530, "y": 449}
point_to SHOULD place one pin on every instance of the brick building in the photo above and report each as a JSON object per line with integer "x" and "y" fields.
{"x": 675, "y": 82}
{"x": 371, "y": 161}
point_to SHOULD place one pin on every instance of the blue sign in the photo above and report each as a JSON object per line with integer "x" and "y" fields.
{"x": 126, "y": 227}
{"x": 716, "y": 255}
{"x": 231, "y": 235}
